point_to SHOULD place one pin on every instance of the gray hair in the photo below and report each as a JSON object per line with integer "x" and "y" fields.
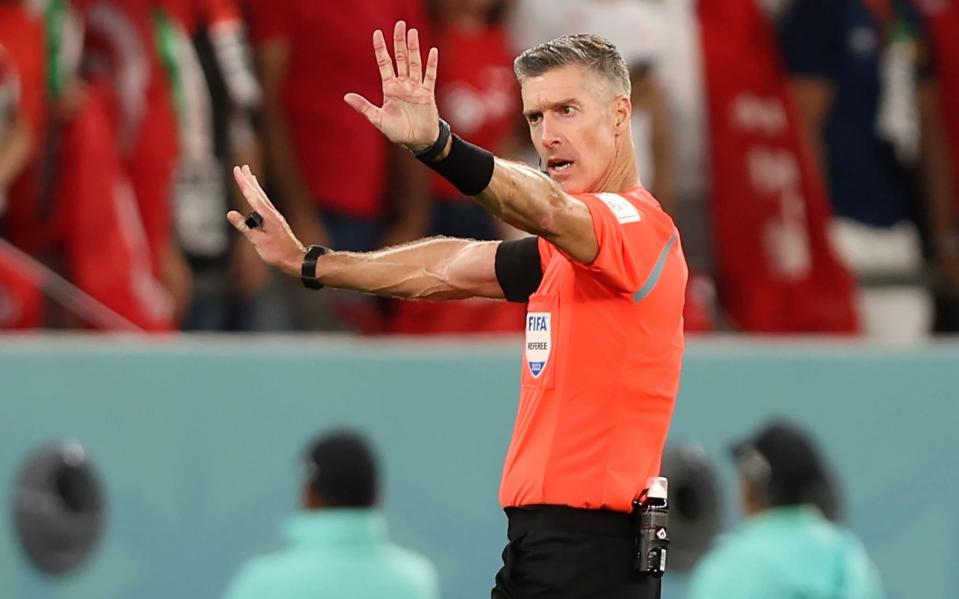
{"x": 594, "y": 52}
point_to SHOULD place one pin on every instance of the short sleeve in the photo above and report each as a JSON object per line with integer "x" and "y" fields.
{"x": 810, "y": 33}
{"x": 546, "y": 252}
{"x": 634, "y": 242}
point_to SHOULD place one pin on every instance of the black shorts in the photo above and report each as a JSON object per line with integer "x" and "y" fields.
{"x": 562, "y": 552}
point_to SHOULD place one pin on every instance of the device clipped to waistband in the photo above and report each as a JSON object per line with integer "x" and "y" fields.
{"x": 651, "y": 518}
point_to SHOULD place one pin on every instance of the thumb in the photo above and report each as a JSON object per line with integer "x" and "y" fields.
{"x": 363, "y": 106}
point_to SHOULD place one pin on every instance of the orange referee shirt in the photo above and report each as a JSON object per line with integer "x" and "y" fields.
{"x": 601, "y": 362}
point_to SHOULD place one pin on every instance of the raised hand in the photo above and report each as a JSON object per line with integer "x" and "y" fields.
{"x": 409, "y": 115}
{"x": 273, "y": 239}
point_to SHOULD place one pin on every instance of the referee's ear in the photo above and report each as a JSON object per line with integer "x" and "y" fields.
{"x": 622, "y": 110}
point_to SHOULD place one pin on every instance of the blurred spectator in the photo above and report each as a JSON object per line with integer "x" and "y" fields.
{"x": 24, "y": 116}
{"x": 477, "y": 93}
{"x": 21, "y": 131}
{"x": 786, "y": 547}
{"x": 72, "y": 210}
{"x": 338, "y": 544}
{"x": 942, "y": 18}
{"x": 126, "y": 47}
{"x": 679, "y": 70}
{"x": 341, "y": 183}
{"x": 216, "y": 94}
{"x": 776, "y": 270}
{"x": 862, "y": 73}
{"x": 17, "y": 141}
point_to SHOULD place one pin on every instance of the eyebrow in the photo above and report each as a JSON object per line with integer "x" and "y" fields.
{"x": 563, "y": 102}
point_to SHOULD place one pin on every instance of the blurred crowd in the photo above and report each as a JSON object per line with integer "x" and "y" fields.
{"x": 808, "y": 150}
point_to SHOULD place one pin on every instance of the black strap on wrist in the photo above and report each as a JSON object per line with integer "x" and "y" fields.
{"x": 430, "y": 153}
{"x": 308, "y": 270}
{"x": 469, "y": 168}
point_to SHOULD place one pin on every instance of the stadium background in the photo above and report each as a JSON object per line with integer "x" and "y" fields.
{"x": 195, "y": 444}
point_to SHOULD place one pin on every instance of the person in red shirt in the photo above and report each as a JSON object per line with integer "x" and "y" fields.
{"x": 21, "y": 130}
{"x": 308, "y": 55}
{"x": 307, "y": 127}
{"x": 477, "y": 92}
{"x": 942, "y": 22}
{"x": 124, "y": 63}
{"x": 604, "y": 277}
{"x": 22, "y": 37}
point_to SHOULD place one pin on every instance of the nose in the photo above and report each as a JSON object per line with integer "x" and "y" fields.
{"x": 549, "y": 132}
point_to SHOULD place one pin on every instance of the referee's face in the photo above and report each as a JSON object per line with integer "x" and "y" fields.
{"x": 576, "y": 126}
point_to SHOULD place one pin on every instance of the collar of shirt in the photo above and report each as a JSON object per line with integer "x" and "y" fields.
{"x": 337, "y": 527}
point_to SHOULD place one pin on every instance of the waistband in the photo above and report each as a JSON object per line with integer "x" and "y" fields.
{"x": 569, "y": 519}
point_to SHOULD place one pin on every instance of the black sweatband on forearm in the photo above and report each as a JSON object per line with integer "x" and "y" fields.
{"x": 518, "y": 269}
{"x": 469, "y": 168}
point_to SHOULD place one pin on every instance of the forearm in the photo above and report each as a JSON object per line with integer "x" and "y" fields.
{"x": 438, "y": 268}
{"x": 519, "y": 195}
{"x": 523, "y": 197}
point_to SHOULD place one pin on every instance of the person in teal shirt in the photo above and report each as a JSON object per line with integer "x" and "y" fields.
{"x": 338, "y": 545}
{"x": 787, "y": 548}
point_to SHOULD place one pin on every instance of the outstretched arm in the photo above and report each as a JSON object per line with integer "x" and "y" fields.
{"x": 437, "y": 268}
{"x": 518, "y": 194}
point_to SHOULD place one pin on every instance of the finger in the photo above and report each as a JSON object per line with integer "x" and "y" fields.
{"x": 238, "y": 221}
{"x": 364, "y": 107}
{"x": 429, "y": 81}
{"x": 383, "y": 59}
{"x": 261, "y": 193}
{"x": 252, "y": 192}
{"x": 248, "y": 192}
{"x": 416, "y": 62}
{"x": 400, "y": 51}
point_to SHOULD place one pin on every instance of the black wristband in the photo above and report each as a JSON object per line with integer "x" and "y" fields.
{"x": 469, "y": 168}
{"x": 430, "y": 153}
{"x": 308, "y": 270}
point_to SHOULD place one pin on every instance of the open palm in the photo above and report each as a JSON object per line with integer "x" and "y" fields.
{"x": 409, "y": 115}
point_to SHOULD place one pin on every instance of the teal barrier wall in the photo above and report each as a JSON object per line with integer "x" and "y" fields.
{"x": 196, "y": 442}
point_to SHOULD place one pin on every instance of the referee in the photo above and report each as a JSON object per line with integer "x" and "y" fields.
{"x": 603, "y": 275}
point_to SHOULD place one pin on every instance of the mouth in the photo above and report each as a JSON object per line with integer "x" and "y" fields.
{"x": 558, "y": 165}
